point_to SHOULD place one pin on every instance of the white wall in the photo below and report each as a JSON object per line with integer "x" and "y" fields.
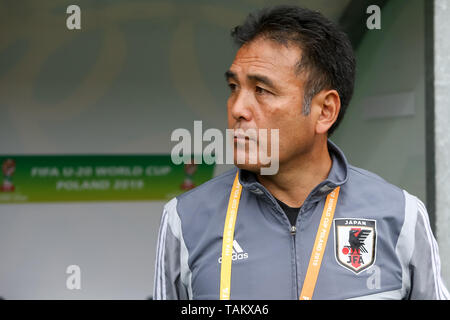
{"x": 112, "y": 243}
{"x": 442, "y": 130}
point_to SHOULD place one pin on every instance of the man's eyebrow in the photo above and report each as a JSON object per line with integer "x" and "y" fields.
{"x": 252, "y": 77}
{"x": 230, "y": 75}
{"x": 261, "y": 79}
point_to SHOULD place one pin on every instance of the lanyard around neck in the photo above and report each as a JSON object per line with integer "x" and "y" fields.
{"x": 317, "y": 253}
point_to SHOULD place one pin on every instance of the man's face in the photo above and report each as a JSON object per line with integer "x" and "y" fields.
{"x": 266, "y": 93}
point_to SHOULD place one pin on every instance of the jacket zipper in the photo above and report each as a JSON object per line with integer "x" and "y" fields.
{"x": 293, "y": 231}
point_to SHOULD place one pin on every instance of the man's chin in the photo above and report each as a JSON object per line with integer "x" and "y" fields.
{"x": 255, "y": 168}
{"x": 258, "y": 169}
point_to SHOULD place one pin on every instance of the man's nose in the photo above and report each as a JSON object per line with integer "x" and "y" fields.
{"x": 241, "y": 107}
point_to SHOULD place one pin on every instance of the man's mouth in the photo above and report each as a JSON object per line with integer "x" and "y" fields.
{"x": 242, "y": 137}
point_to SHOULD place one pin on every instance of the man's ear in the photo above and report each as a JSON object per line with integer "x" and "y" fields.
{"x": 327, "y": 106}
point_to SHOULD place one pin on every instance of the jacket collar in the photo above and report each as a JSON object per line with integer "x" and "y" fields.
{"x": 337, "y": 176}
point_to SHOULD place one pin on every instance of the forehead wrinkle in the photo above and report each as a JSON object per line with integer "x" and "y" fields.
{"x": 254, "y": 59}
{"x": 254, "y": 66}
{"x": 251, "y": 66}
{"x": 270, "y": 66}
{"x": 266, "y": 50}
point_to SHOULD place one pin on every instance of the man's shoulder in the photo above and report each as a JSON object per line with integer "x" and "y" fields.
{"x": 366, "y": 177}
{"x": 209, "y": 194}
{"x": 374, "y": 197}
{"x": 369, "y": 185}
{"x": 195, "y": 209}
{"x": 221, "y": 182}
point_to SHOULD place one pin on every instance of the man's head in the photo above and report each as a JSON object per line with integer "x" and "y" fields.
{"x": 294, "y": 71}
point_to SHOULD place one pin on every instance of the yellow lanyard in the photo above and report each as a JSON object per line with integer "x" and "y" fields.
{"x": 316, "y": 256}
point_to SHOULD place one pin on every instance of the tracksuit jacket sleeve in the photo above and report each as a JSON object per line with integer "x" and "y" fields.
{"x": 171, "y": 271}
{"x": 424, "y": 267}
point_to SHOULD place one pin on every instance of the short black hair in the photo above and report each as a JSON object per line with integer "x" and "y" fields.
{"x": 327, "y": 57}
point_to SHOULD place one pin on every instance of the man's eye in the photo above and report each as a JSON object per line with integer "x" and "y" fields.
{"x": 232, "y": 87}
{"x": 260, "y": 90}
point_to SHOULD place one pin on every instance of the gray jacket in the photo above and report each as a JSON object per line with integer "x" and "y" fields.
{"x": 380, "y": 245}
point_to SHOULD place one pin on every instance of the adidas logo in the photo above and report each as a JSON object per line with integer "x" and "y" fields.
{"x": 238, "y": 253}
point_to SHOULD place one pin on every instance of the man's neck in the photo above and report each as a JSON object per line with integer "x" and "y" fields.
{"x": 297, "y": 178}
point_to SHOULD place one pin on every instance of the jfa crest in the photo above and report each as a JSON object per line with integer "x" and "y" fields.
{"x": 355, "y": 243}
